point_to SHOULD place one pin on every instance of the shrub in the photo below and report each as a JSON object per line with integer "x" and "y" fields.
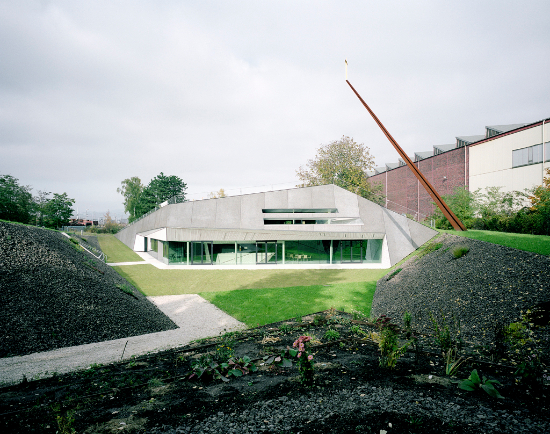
{"x": 331, "y": 335}
{"x": 460, "y": 251}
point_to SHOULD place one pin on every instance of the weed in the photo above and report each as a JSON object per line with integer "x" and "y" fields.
{"x": 390, "y": 351}
{"x": 429, "y": 248}
{"x": 64, "y": 420}
{"x": 318, "y": 320}
{"x": 452, "y": 363}
{"x": 392, "y": 275}
{"x": 356, "y": 330}
{"x": 127, "y": 289}
{"x": 460, "y": 251}
{"x": 523, "y": 351}
{"x": 443, "y": 335}
{"x": 331, "y": 335}
{"x": 285, "y": 328}
{"x": 224, "y": 352}
{"x": 359, "y": 316}
{"x": 473, "y": 382}
{"x": 415, "y": 421}
{"x": 155, "y": 382}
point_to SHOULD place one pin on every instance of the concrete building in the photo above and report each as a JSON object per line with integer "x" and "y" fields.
{"x": 312, "y": 227}
{"x": 506, "y": 156}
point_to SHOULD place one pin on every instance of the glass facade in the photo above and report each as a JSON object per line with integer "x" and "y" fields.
{"x": 271, "y": 252}
{"x": 201, "y": 253}
{"x": 177, "y": 252}
{"x": 307, "y": 251}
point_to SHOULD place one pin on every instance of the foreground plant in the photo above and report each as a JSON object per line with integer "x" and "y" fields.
{"x": 304, "y": 359}
{"x": 443, "y": 336}
{"x": 523, "y": 350}
{"x": 390, "y": 351}
{"x": 452, "y": 363}
{"x": 206, "y": 368}
{"x": 473, "y": 382}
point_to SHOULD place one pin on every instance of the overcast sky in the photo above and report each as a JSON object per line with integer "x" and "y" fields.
{"x": 240, "y": 94}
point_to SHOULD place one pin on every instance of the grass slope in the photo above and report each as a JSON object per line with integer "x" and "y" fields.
{"x": 116, "y": 250}
{"x": 530, "y": 243}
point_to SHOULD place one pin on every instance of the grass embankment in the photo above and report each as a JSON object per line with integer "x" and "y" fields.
{"x": 262, "y": 296}
{"x": 116, "y": 250}
{"x": 530, "y": 243}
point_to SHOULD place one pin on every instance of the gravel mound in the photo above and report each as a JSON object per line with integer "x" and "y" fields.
{"x": 54, "y": 295}
{"x": 485, "y": 289}
{"x": 316, "y": 412}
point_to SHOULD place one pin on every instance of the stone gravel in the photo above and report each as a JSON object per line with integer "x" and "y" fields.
{"x": 317, "y": 410}
{"x": 55, "y": 296}
{"x": 487, "y": 288}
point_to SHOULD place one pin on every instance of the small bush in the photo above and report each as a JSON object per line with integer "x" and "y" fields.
{"x": 460, "y": 251}
{"x": 331, "y": 335}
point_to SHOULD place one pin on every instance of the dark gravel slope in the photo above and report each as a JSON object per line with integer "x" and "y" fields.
{"x": 54, "y": 296}
{"x": 486, "y": 288}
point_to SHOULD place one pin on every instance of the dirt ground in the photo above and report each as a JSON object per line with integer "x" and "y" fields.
{"x": 154, "y": 391}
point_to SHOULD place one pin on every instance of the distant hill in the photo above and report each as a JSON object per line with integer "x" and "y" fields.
{"x": 53, "y": 295}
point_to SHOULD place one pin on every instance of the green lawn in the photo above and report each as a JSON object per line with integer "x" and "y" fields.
{"x": 116, "y": 250}
{"x": 266, "y": 305}
{"x": 531, "y": 243}
{"x": 152, "y": 281}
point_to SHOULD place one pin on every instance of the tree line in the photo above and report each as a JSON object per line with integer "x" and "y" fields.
{"x": 17, "y": 204}
{"x": 525, "y": 212}
{"x": 139, "y": 199}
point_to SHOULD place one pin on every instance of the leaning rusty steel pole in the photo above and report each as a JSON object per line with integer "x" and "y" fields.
{"x": 453, "y": 219}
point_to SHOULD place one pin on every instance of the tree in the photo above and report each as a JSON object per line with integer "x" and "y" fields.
{"x": 110, "y": 226}
{"x": 540, "y": 204}
{"x": 217, "y": 194}
{"x": 40, "y": 202}
{"x": 58, "y": 211}
{"x": 16, "y": 202}
{"x": 344, "y": 163}
{"x": 131, "y": 189}
{"x": 159, "y": 190}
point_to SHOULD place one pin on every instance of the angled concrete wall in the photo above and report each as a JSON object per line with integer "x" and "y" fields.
{"x": 244, "y": 213}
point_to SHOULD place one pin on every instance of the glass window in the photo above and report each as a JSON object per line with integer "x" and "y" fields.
{"x": 373, "y": 251}
{"x": 177, "y": 252}
{"x": 526, "y": 156}
{"x": 201, "y": 252}
{"x": 224, "y": 253}
{"x": 246, "y": 253}
{"x": 300, "y": 210}
{"x": 266, "y": 252}
{"x": 307, "y": 251}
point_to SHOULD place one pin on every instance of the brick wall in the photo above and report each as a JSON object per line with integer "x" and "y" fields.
{"x": 405, "y": 194}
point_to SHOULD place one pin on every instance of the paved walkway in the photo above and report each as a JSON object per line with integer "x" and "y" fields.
{"x": 195, "y": 317}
